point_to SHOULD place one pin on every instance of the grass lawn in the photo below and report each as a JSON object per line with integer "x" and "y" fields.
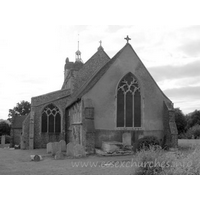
{"x": 19, "y": 162}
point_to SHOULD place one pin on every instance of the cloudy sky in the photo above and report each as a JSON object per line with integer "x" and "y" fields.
{"x": 36, "y": 38}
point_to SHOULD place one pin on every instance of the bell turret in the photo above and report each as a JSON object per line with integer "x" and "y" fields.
{"x": 78, "y": 55}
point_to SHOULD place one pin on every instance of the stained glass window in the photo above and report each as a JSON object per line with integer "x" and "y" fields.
{"x": 128, "y": 102}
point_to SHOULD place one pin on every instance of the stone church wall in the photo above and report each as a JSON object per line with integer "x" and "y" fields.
{"x": 38, "y": 104}
{"x": 76, "y": 135}
{"x": 170, "y": 129}
{"x": 103, "y": 96}
{"x": 25, "y": 133}
{"x": 81, "y": 129}
{"x": 16, "y": 136}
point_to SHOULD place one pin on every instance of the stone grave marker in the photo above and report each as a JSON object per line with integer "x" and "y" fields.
{"x": 75, "y": 150}
{"x": 126, "y": 138}
{"x": 79, "y": 151}
{"x": 59, "y": 156}
{"x": 111, "y": 147}
{"x": 55, "y": 148}
{"x": 49, "y": 147}
{"x": 3, "y": 140}
{"x": 36, "y": 158}
{"x": 70, "y": 149}
{"x": 63, "y": 145}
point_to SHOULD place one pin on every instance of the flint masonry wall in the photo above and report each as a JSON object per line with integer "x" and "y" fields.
{"x": 59, "y": 99}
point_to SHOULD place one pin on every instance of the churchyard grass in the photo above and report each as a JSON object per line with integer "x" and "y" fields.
{"x": 187, "y": 159}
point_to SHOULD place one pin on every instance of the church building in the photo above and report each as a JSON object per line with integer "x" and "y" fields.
{"x": 99, "y": 101}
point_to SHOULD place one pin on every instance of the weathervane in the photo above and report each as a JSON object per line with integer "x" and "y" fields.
{"x": 127, "y": 39}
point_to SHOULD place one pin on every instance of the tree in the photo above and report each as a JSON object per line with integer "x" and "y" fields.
{"x": 193, "y": 119}
{"x": 180, "y": 120}
{"x": 22, "y": 108}
{"x": 4, "y": 127}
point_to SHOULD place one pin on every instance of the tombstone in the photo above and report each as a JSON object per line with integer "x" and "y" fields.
{"x": 3, "y": 140}
{"x": 126, "y": 139}
{"x": 70, "y": 149}
{"x": 111, "y": 147}
{"x": 75, "y": 150}
{"x": 79, "y": 151}
{"x": 59, "y": 156}
{"x": 36, "y": 158}
{"x": 49, "y": 147}
{"x": 55, "y": 148}
{"x": 63, "y": 145}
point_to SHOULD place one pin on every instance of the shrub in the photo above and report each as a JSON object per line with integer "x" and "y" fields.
{"x": 188, "y": 164}
{"x": 193, "y": 132}
{"x": 8, "y": 139}
{"x": 147, "y": 142}
{"x": 159, "y": 162}
{"x": 184, "y": 136}
{"x": 153, "y": 161}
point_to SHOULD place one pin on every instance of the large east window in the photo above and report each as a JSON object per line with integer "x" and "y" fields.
{"x": 128, "y": 102}
{"x": 51, "y": 119}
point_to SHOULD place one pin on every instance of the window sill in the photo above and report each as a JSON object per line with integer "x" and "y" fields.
{"x": 130, "y": 128}
{"x": 51, "y": 133}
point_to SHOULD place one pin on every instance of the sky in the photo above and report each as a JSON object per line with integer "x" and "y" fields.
{"x": 37, "y": 36}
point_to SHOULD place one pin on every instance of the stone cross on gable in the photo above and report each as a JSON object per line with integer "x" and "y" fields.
{"x": 127, "y": 39}
{"x": 100, "y": 47}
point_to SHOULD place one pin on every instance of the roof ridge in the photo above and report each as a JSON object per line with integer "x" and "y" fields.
{"x": 101, "y": 70}
{"x": 85, "y": 64}
{"x": 94, "y": 55}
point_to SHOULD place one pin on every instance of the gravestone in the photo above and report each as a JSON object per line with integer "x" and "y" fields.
{"x": 70, "y": 149}
{"x": 75, "y": 150}
{"x": 79, "y": 151}
{"x": 3, "y": 140}
{"x": 126, "y": 139}
{"x": 59, "y": 156}
{"x": 49, "y": 147}
{"x": 111, "y": 147}
{"x": 63, "y": 145}
{"x": 36, "y": 158}
{"x": 55, "y": 148}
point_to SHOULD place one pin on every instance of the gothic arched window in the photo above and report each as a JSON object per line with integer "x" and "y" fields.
{"x": 51, "y": 119}
{"x": 128, "y": 102}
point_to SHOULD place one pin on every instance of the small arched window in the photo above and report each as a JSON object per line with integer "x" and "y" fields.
{"x": 128, "y": 102}
{"x": 51, "y": 119}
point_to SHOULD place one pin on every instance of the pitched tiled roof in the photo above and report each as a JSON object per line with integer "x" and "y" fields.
{"x": 93, "y": 79}
{"x": 17, "y": 121}
{"x": 99, "y": 73}
{"x": 99, "y": 59}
